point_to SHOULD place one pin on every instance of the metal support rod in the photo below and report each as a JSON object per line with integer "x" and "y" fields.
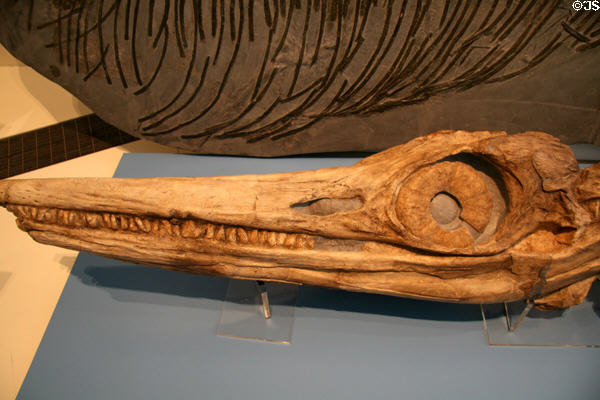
{"x": 264, "y": 297}
{"x": 513, "y": 326}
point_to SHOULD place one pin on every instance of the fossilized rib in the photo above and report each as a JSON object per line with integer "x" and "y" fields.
{"x": 187, "y": 72}
{"x": 454, "y": 216}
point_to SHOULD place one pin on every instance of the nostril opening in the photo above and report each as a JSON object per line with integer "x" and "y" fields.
{"x": 445, "y": 208}
{"x": 327, "y": 206}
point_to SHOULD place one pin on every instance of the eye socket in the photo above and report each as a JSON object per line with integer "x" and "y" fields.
{"x": 454, "y": 204}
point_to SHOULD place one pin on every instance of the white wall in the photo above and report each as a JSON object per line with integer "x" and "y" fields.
{"x": 29, "y": 101}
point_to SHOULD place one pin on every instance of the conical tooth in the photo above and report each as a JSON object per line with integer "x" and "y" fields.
{"x": 201, "y": 228}
{"x": 21, "y": 211}
{"x": 220, "y": 233}
{"x": 106, "y": 219}
{"x": 253, "y": 236}
{"x": 165, "y": 227}
{"x": 262, "y": 237}
{"x": 63, "y": 217}
{"x": 37, "y": 213}
{"x": 188, "y": 229}
{"x": 297, "y": 242}
{"x": 81, "y": 219}
{"x": 176, "y": 230}
{"x": 50, "y": 215}
{"x": 155, "y": 226}
{"x": 231, "y": 234}
{"x": 133, "y": 226}
{"x": 92, "y": 220}
{"x": 210, "y": 231}
{"x": 281, "y": 236}
{"x": 272, "y": 239}
{"x": 300, "y": 240}
{"x": 33, "y": 212}
{"x": 113, "y": 221}
{"x": 143, "y": 225}
{"x": 242, "y": 235}
{"x": 308, "y": 242}
{"x": 124, "y": 222}
{"x": 101, "y": 223}
{"x": 74, "y": 219}
{"x": 290, "y": 240}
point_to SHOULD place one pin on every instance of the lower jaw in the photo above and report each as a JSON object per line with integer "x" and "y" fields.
{"x": 334, "y": 269}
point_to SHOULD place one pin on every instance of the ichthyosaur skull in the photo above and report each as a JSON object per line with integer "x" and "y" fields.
{"x": 454, "y": 216}
{"x": 276, "y": 77}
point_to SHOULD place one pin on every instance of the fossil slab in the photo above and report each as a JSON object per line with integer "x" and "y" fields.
{"x": 472, "y": 217}
{"x": 279, "y": 77}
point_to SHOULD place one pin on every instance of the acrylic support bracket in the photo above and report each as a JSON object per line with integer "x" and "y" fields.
{"x": 259, "y": 311}
{"x": 520, "y": 324}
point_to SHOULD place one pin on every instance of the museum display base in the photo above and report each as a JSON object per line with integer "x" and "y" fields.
{"x": 515, "y": 324}
{"x": 123, "y": 331}
{"x": 246, "y": 314}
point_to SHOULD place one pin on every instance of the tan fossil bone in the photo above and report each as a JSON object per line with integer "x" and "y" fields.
{"x": 471, "y": 217}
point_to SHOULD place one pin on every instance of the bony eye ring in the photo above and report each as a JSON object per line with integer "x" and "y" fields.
{"x": 450, "y": 205}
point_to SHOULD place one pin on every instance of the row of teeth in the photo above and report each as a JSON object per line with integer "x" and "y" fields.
{"x": 174, "y": 227}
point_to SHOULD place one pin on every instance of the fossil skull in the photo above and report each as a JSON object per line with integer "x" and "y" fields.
{"x": 473, "y": 217}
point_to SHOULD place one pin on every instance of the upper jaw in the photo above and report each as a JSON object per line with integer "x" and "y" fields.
{"x": 233, "y": 214}
{"x": 278, "y": 202}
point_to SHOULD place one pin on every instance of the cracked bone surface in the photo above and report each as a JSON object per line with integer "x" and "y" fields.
{"x": 471, "y": 217}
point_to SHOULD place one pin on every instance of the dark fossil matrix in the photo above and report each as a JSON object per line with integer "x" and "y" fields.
{"x": 273, "y": 77}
